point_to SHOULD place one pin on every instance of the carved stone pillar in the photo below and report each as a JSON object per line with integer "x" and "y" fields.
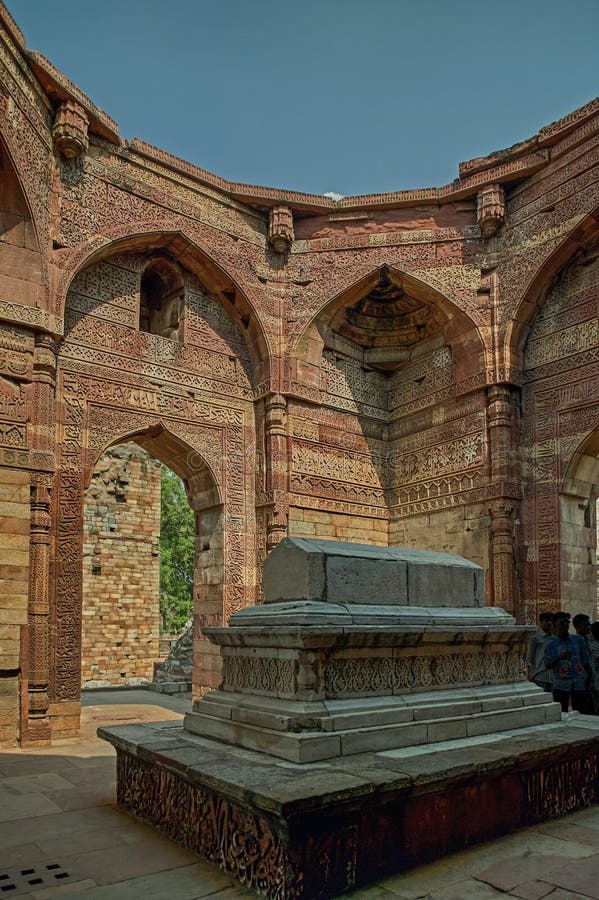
{"x": 276, "y": 469}
{"x": 44, "y": 377}
{"x": 502, "y": 540}
{"x": 500, "y": 419}
{"x": 37, "y": 727}
{"x": 505, "y": 491}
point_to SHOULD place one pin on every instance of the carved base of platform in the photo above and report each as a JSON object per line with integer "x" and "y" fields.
{"x": 318, "y": 829}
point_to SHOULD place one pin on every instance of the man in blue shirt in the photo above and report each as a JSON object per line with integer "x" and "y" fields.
{"x": 534, "y": 666}
{"x": 567, "y": 658}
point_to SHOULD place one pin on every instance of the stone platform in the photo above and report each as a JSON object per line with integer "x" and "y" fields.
{"x": 361, "y": 648}
{"x": 314, "y": 830}
{"x": 322, "y": 761}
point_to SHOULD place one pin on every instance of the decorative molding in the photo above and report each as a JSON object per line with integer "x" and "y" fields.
{"x": 31, "y": 316}
{"x": 280, "y": 229}
{"x": 70, "y": 130}
{"x": 490, "y": 213}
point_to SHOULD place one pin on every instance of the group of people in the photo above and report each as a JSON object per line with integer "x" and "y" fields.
{"x": 564, "y": 663}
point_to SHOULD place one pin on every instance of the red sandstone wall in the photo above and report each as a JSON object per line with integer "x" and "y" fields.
{"x": 275, "y": 422}
{"x": 560, "y": 408}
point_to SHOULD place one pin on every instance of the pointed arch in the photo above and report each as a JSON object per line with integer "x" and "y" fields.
{"x": 188, "y": 253}
{"x": 580, "y": 239}
{"x": 581, "y": 477}
{"x": 455, "y": 327}
{"x": 193, "y": 467}
{"x": 19, "y": 239}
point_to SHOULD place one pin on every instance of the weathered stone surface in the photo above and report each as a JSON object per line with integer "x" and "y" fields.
{"x": 178, "y": 666}
{"x": 431, "y": 674}
{"x": 336, "y": 572}
{"x": 326, "y": 828}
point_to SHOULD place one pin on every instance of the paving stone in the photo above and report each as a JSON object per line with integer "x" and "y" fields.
{"x": 76, "y": 799}
{"x": 12, "y": 857}
{"x": 14, "y": 832}
{"x": 581, "y": 876}
{"x": 183, "y": 883}
{"x": 450, "y": 870}
{"x": 532, "y": 890}
{"x": 114, "y": 864}
{"x": 94, "y": 839}
{"x": 515, "y": 870}
{"x": 77, "y": 889}
{"x": 12, "y": 766}
{"x": 24, "y": 806}
{"x": 35, "y": 784}
{"x": 588, "y": 818}
{"x": 558, "y": 894}
{"x": 373, "y": 892}
{"x": 567, "y": 831}
{"x": 466, "y": 890}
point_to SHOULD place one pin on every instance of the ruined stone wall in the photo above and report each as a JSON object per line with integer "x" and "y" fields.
{"x": 121, "y": 569}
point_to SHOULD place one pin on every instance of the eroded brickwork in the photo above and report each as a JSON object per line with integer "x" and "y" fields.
{"x": 414, "y": 367}
{"x": 121, "y": 568}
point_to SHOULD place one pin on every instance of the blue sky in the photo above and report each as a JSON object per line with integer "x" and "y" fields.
{"x": 351, "y": 96}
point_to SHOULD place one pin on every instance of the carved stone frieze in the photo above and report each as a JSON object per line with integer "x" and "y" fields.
{"x": 398, "y": 674}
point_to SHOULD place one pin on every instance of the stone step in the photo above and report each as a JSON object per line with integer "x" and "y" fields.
{"x": 263, "y": 732}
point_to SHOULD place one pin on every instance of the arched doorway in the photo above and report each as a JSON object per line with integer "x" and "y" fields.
{"x": 560, "y": 411}
{"x": 139, "y": 571}
{"x": 187, "y": 396}
{"x": 121, "y": 556}
{"x": 578, "y": 530}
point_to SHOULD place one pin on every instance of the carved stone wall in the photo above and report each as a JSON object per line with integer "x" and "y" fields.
{"x": 121, "y": 568}
{"x": 408, "y": 367}
{"x": 189, "y": 399}
{"x": 561, "y": 415}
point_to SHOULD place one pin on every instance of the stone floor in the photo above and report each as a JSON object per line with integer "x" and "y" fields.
{"x": 61, "y": 834}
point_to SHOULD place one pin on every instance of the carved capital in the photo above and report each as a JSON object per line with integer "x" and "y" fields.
{"x": 41, "y": 487}
{"x": 501, "y": 517}
{"x": 70, "y": 130}
{"x": 44, "y": 357}
{"x": 499, "y": 407}
{"x": 491, "y": 209}
{"x": 276, "y": 415}
{"x": 276, "y": 521}
{"x": 280, "y": 229}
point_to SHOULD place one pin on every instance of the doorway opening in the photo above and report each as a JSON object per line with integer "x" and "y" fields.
{"x": 138, "y": 568}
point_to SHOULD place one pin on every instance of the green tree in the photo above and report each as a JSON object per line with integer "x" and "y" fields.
{"x": 177, "y": 533}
